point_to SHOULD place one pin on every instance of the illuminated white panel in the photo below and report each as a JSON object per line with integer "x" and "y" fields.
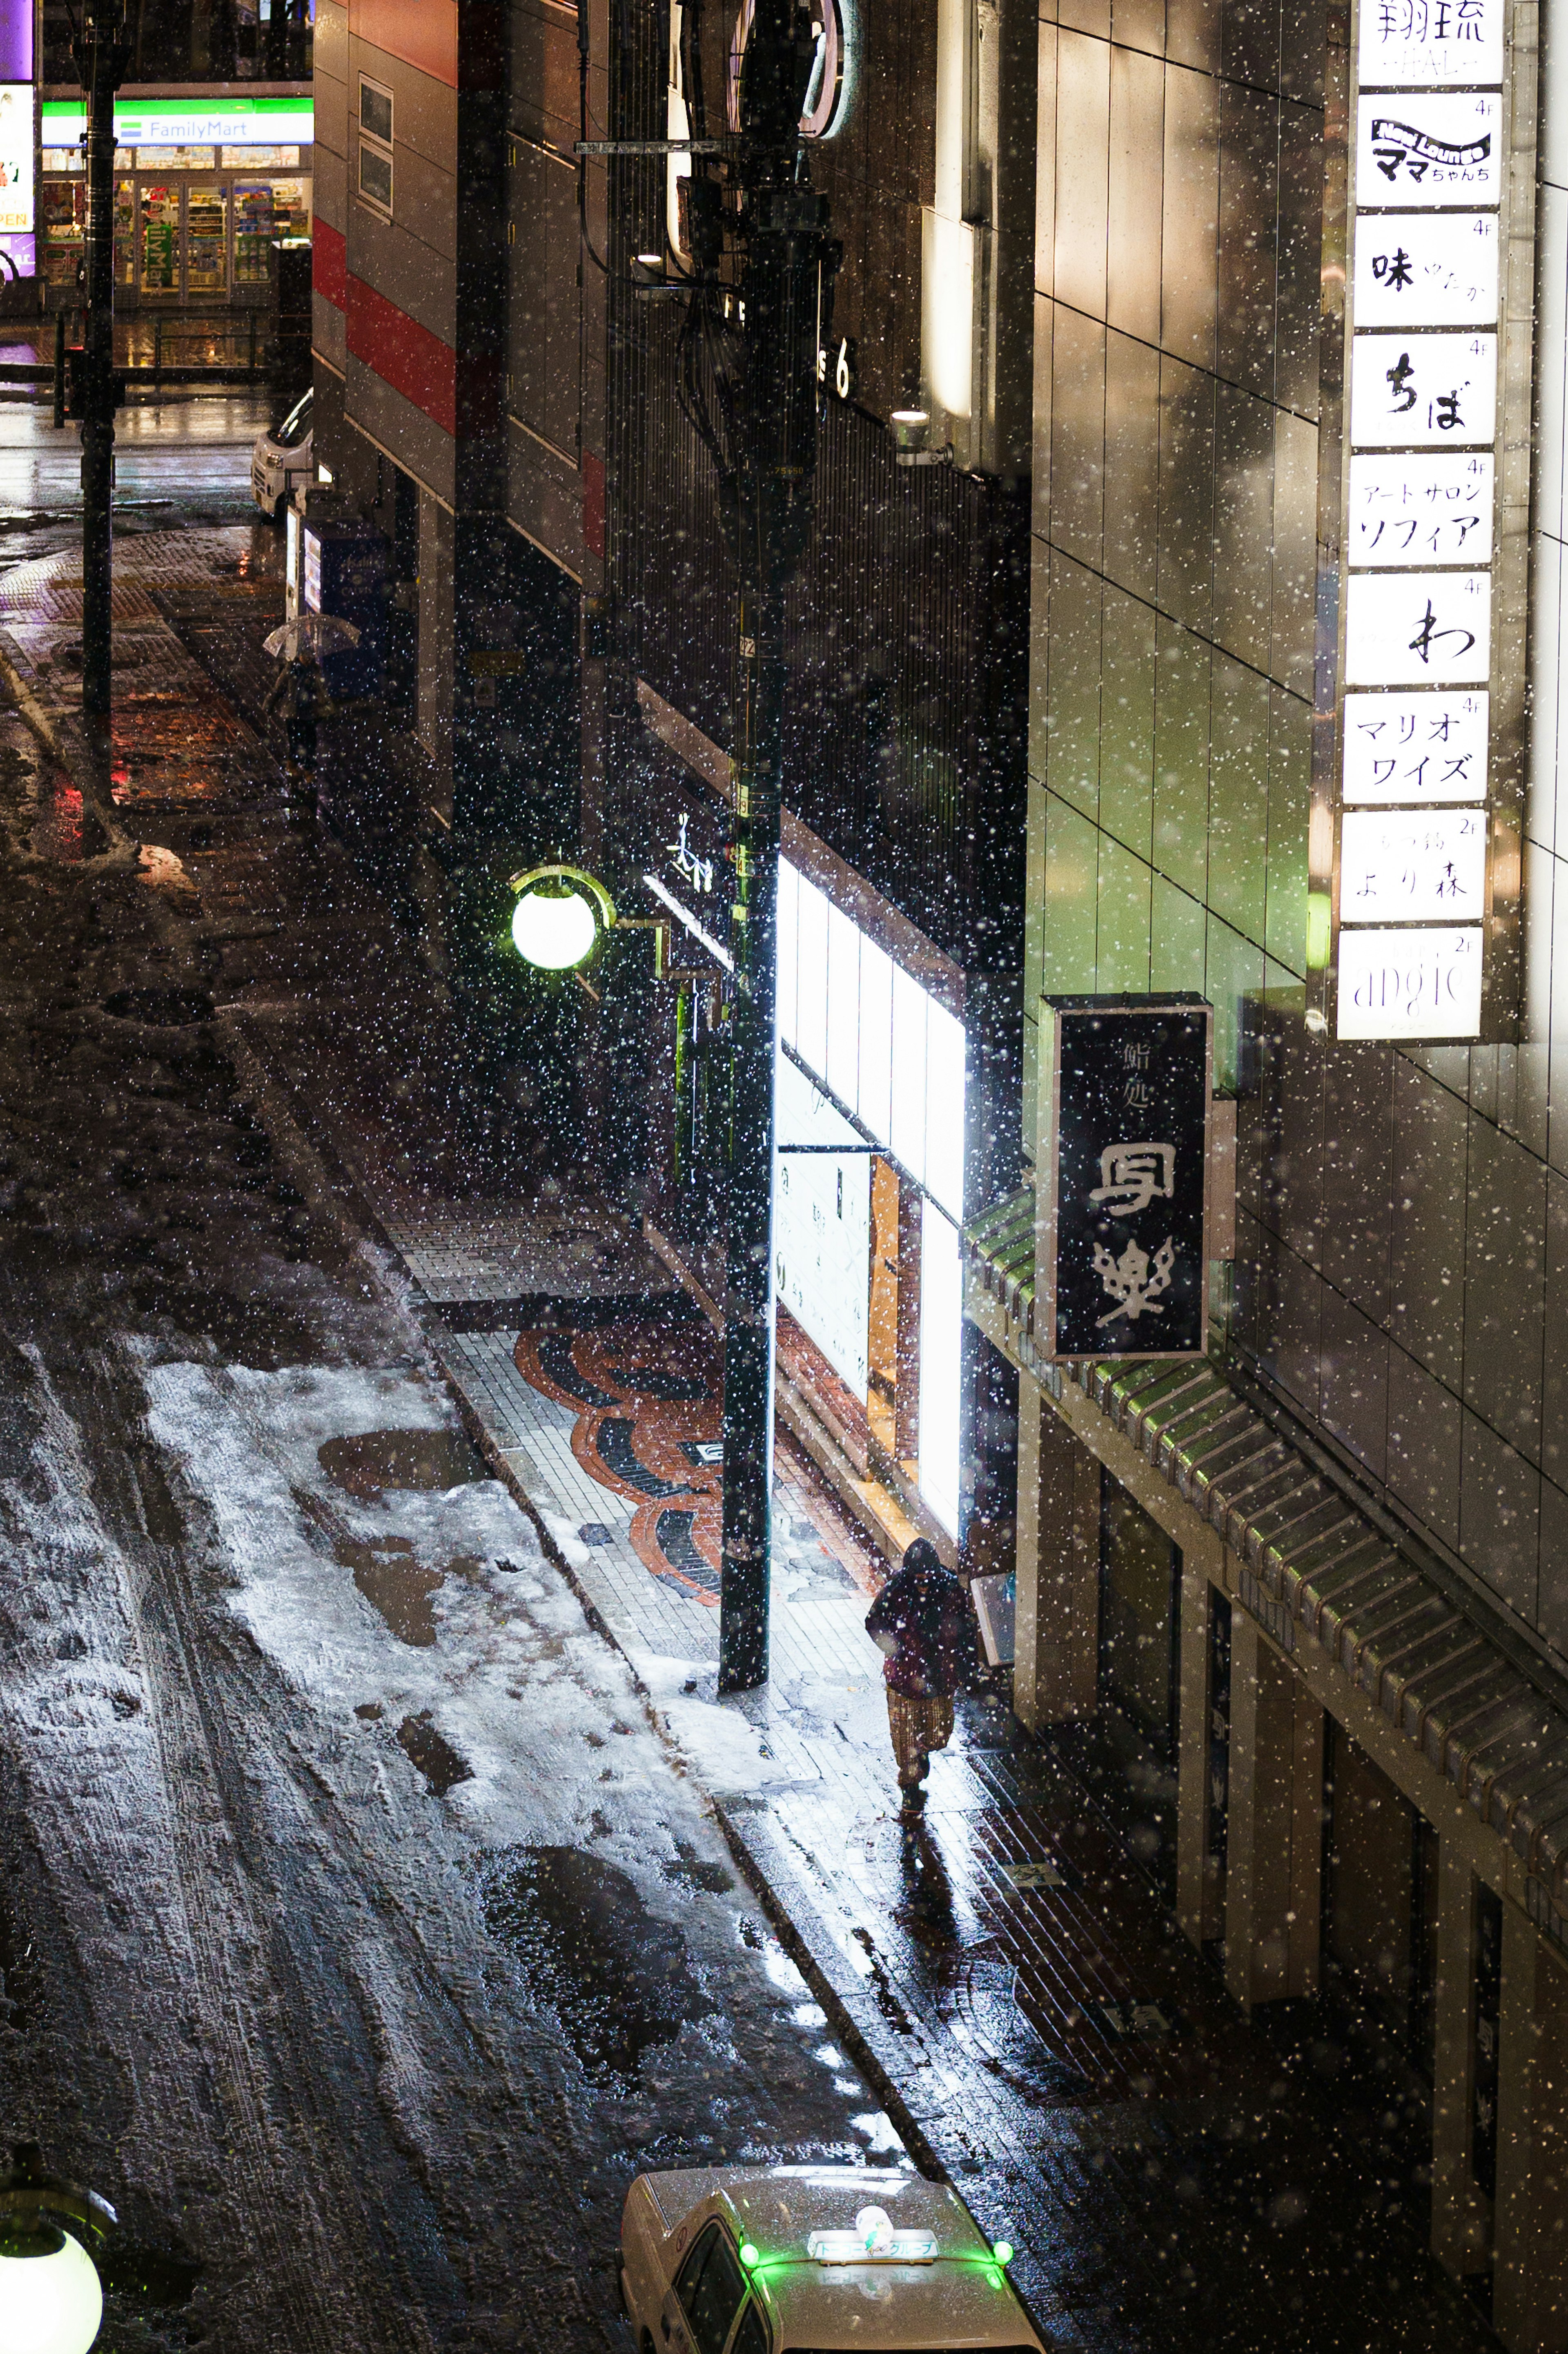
{"x": 1411, "y": 984}
{"x": 1423, "y": 392}
{"x": 941, "y": 1354}
{"x": 1421, "y": 43}
{"x": 1415, "y": 748}
{"x": 811, "y": 977}
{"x": 1426, "y": 269}
{"x": 1406, "y": 629}
{"x": 945, "y": 1108}
{"x": 1421, "y": 508}
{"x": 1430, "y": 154}
{"x": 821, "y": 1250}
{"x": 844, "y": 1006}
{"x": 788, "y": 923}
{"x": 875, "y": 1100}
{"x": 1404, "y": 866}
{"x": 906, "y": 1129}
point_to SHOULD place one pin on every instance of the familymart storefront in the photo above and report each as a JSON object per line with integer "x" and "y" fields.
{"x": 202, "y": 186}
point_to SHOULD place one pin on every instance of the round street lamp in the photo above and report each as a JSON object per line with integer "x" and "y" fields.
{"x": 561, "y": 916}
{"x": 50, "y": 2298}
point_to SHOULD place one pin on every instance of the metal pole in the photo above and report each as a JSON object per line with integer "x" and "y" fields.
{"x": 101, "y": 61}
{"x": 60, "y": 415}
{"x": 787, "y": 283}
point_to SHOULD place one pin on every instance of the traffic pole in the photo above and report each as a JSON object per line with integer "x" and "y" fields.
{"x": 785, "y": 297}
{"x": 101, "y": 62}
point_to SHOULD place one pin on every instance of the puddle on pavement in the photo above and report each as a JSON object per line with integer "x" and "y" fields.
{"x": 618, "y": 1981}
{"x": 433, "y": 1754}
{"x": 249, "y": 1331}
{"x": 398, "y": 1586}
{"x": 159, "y": 1009}
{"x": 57, "y": 830}
{"x": 429, "y": 1459}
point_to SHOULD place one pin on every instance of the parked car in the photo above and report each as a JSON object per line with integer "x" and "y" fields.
{"x": 280, "y": 459}
{"x": 759, "y": 2260}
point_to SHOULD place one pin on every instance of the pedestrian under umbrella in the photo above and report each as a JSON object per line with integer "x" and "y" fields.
{"x": 921, "y": 1619}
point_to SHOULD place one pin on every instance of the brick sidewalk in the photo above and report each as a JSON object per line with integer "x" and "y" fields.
{"x": 1169, "y": 2176}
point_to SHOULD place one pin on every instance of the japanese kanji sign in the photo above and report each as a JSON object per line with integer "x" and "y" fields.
{"x": 1122, "y": 1177}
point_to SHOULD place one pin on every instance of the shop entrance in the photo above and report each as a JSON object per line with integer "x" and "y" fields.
{"x": 182, "y": 240}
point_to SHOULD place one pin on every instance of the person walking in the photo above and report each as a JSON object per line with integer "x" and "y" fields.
{"x": 921, "y": 1619}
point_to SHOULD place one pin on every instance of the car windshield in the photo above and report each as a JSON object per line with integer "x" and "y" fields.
{"x": 295, "y": 425}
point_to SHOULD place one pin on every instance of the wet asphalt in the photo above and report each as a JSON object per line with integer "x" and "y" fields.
{"x": 359, "y": 1937}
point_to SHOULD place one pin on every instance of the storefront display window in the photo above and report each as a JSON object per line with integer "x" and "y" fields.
{"x": 890, "y": 1055}
{"x": 124, "y": 234}
{"x": 207, "y": 242}
{"x": 161, "y": 240}
{"x": 65, "y": 230}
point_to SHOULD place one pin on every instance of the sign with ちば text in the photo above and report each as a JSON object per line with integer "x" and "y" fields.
{"x": 1122, "y": 1177}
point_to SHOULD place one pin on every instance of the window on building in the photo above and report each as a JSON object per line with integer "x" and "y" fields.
{"x": 375, "y": 147}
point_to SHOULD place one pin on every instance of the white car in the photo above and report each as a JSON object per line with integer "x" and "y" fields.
{"x": 761, "y": 2260}
{"x": 282, "y": 459}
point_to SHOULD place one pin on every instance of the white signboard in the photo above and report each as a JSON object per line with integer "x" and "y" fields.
{"x": 16, "y": 158}
{"x": 1421, "y": 509}
{"x": 822, "y": 1242}
{"x": 1421, "y": 749}
{"x": 1429, "y": 152}
{"x": 1424, "y": 392}
{"x": 1423, "y": 44}
{"x": 1411, "y": 984}
{"x": 1426, "y": 269}
{"x": 1402, "y": 866}
{"x": 1405, "y": 629}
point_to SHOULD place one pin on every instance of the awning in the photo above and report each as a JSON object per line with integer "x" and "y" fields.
{"x": 1314, "y": 1566}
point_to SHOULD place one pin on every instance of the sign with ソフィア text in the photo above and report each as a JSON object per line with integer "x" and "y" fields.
{"x": 1122, "y": 1177}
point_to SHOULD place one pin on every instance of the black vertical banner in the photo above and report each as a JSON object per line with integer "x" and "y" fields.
{"x": 1123, "y": 1176}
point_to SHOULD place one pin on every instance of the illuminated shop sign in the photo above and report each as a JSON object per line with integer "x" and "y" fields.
{"x": 1123, "y": 1164}
{"x": 188, "y": 123}
{"x": 1426, "y": 773}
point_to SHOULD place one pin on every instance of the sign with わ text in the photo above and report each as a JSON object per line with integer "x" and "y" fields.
{"x": 1122, "y": 1177}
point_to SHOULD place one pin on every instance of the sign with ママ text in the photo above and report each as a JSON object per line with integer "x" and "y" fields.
{"x": 1120, "y": 1252}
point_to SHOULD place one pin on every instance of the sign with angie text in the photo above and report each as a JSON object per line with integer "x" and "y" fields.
{"x": 1122, "y": 1177}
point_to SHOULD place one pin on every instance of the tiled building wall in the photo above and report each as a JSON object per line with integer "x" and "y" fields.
{"x": 1402, "y": 1269}
{"x": 1404, "y": 1248}
{"x": 1175, "y": 486}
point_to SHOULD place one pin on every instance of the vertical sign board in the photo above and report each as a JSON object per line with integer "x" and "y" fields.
{"x": 19, "y": 136}
{"x": 1424, "y": 803}
{"x": 1122, "y": 1178}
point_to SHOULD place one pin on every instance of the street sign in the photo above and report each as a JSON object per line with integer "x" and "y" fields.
{"x": 1122, "y": 1176}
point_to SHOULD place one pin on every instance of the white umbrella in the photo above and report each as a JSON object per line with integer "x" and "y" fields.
{"x": 312, "y": 633}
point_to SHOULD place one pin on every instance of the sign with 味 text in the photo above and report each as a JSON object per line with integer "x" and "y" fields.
{"x": 1122, "y": 1177}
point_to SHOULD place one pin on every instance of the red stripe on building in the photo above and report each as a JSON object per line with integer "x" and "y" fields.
{"x": 329, "y": 263}
{"x": 403, "y": 353}
{"x": 422, "y": 32}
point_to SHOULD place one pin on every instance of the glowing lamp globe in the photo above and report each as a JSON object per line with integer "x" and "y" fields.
{"x": 560, "y": 916}
{"x": 553, "y": 930}
{"x": 50, "y": 2301}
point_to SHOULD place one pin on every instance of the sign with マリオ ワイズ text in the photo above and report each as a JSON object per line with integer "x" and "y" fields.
{"x": 1122, "y": 1177}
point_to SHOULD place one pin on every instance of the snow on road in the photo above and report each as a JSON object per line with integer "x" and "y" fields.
{"x": 403, "y": 1938}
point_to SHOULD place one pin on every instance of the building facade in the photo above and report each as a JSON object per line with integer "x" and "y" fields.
{"x": 1095, "y": 706}
{"x": 1303, "y": 1603}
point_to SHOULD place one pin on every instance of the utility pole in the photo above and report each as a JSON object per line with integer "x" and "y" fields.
{"x": 749, "y": 389}
{"x": 767, "y": 395}
{"x": 100, "y": 58}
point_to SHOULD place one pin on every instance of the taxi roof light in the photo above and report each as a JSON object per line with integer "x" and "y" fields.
{"x": 874, "y": 2241}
